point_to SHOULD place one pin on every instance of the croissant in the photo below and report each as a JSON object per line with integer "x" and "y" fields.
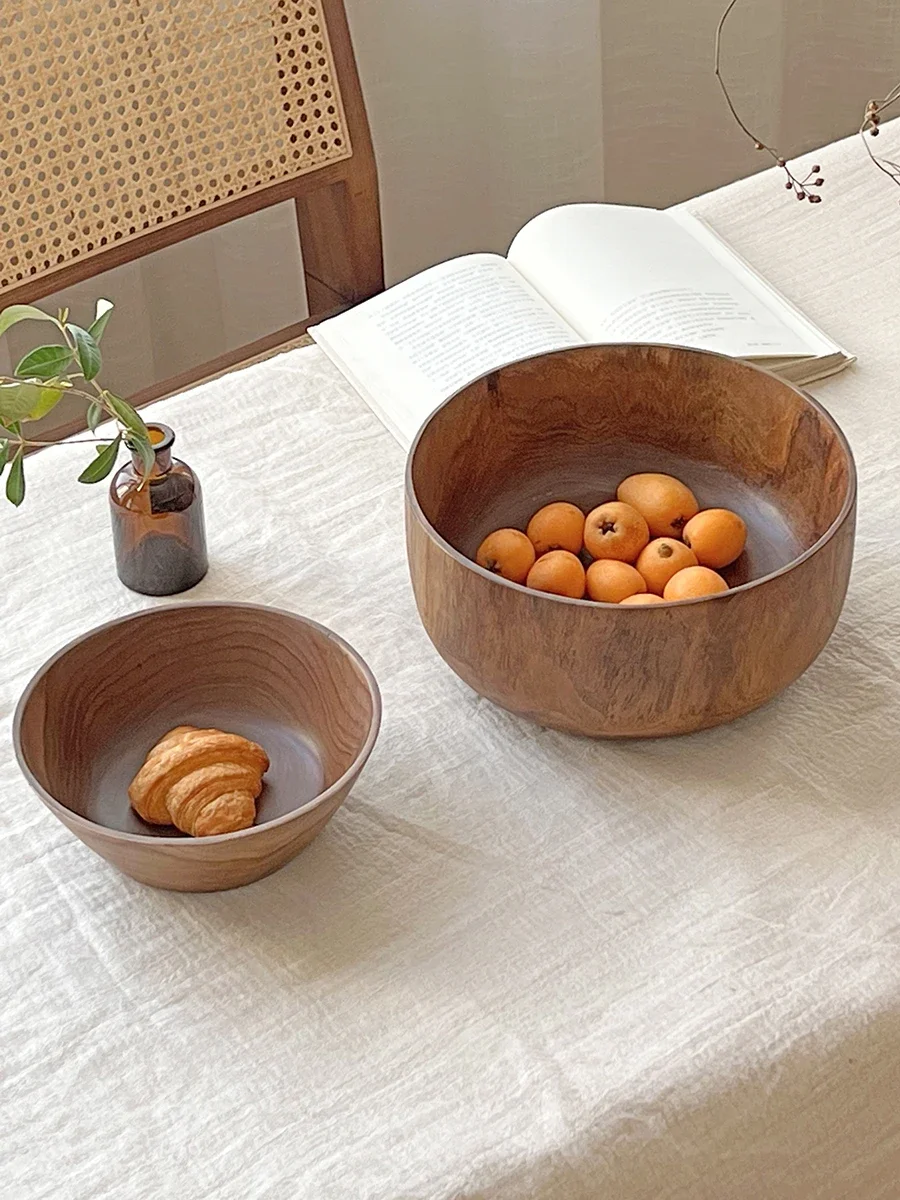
{"x": 203, "y": 781}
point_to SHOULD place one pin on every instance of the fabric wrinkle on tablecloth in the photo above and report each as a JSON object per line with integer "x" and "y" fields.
{"x": 516, "y": 964}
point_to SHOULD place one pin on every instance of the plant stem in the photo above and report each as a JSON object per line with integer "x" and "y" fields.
{"x": 718, "y": 73}
{"x": 24, "y": 441}
{"x": 802, "y": 188}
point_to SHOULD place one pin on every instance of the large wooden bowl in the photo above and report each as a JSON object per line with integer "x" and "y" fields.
{"x": 570, "y": 426}
{"x": 88, "y": 718}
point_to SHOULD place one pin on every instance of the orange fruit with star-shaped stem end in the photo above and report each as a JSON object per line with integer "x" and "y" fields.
{"x": 717, "y": 536}
{"x": 557, "y": 526}
{"x": 615, "y": 530}
{"x": 661, "y": 559}
{"x": 641, "y": 598}
{"x": 610, "y": 581}
{"x": 558, "y": 572}
{"x": 507, "y": 552}
{"x": 693, "y": 582}
{"x": 665, "y": 503}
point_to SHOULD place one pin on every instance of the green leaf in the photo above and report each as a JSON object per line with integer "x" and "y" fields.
{"x": 95, "y": 329}
{"x": 87, "y": 350}
{"x": 44, "y": 362}
{"x": 20, "y": 401}
{"x": 15, "y": 481}
{"x": 4, "y": 454}
{"x": 50, "y": 397}
{"x": 127, "y": 415}
{"x": 102, "y": 464}
{"x": 22, "y": 312}
{"x": 95, "y": 414}
{"x": 16, "y": 401}
{"x": 138, "y": 435}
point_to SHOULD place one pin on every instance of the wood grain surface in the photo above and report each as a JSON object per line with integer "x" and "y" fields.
{"x": 89, "y": 717}
{"x": 570, "y": 426}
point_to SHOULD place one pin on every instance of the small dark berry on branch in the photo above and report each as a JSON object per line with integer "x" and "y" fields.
{"x": 818, "y": 182}
{"x": 781, "y": 163}
{"x": 815, "y": 199}
{"x": 801, "y": 195}
{"x": 760, "y": 146}
{"x": 874, "y": 132}
{"x": 815, "y": 170}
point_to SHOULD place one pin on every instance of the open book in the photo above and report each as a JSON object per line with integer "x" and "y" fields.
{"x": 581, "y": 273}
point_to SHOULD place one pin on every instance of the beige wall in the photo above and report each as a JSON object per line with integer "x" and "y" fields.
{"x": 510, "y": 106}
{"x": 485, "y": 112}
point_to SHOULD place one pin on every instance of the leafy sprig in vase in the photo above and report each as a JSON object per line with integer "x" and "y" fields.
{"x": 155, "y": 500}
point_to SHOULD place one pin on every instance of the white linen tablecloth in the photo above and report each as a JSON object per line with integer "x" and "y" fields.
{"x": 516, "y": 964}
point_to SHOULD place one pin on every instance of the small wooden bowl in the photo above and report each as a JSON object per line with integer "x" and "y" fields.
{"x": 89, "y": 716}
{"x": 570, "y": 426}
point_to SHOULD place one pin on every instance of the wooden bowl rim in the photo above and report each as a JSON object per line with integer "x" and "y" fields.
{"x": 67, "y": 815}
{"x": 846, "y": 508}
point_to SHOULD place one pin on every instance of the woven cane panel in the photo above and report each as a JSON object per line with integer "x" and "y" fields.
{"x": 118, "y": 116}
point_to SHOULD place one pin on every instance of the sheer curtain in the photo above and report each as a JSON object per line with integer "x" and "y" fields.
{"x": 485, "y": 112}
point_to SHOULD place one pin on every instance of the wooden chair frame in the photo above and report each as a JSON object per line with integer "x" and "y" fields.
{"x": 338, "y": 218}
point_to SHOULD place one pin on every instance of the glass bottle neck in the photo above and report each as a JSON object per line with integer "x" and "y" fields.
{"x": 162, "y": 462}
{"x": 161, "y": 439}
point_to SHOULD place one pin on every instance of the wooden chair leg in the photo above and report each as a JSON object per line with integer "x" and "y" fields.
{"x": 340, "y": 240}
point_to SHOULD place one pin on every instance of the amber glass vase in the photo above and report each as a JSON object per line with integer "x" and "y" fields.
{"x": 157, "y": 521}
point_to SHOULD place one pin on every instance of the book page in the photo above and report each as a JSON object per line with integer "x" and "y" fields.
{"x": 635, "y": 274}
{"x": 411, "y": 347}
{"x": 822, "y": 345}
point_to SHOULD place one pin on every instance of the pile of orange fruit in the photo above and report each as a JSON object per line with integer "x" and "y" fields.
{"x": 650, "y": 545}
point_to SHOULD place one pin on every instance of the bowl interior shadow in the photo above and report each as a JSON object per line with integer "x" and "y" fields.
{"x": 103, "y": 703}
{"x": 573, "y": 428}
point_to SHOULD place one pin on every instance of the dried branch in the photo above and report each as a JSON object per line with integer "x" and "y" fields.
{"x": 870, "y": 125}
{"x": 802, "y": 188}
